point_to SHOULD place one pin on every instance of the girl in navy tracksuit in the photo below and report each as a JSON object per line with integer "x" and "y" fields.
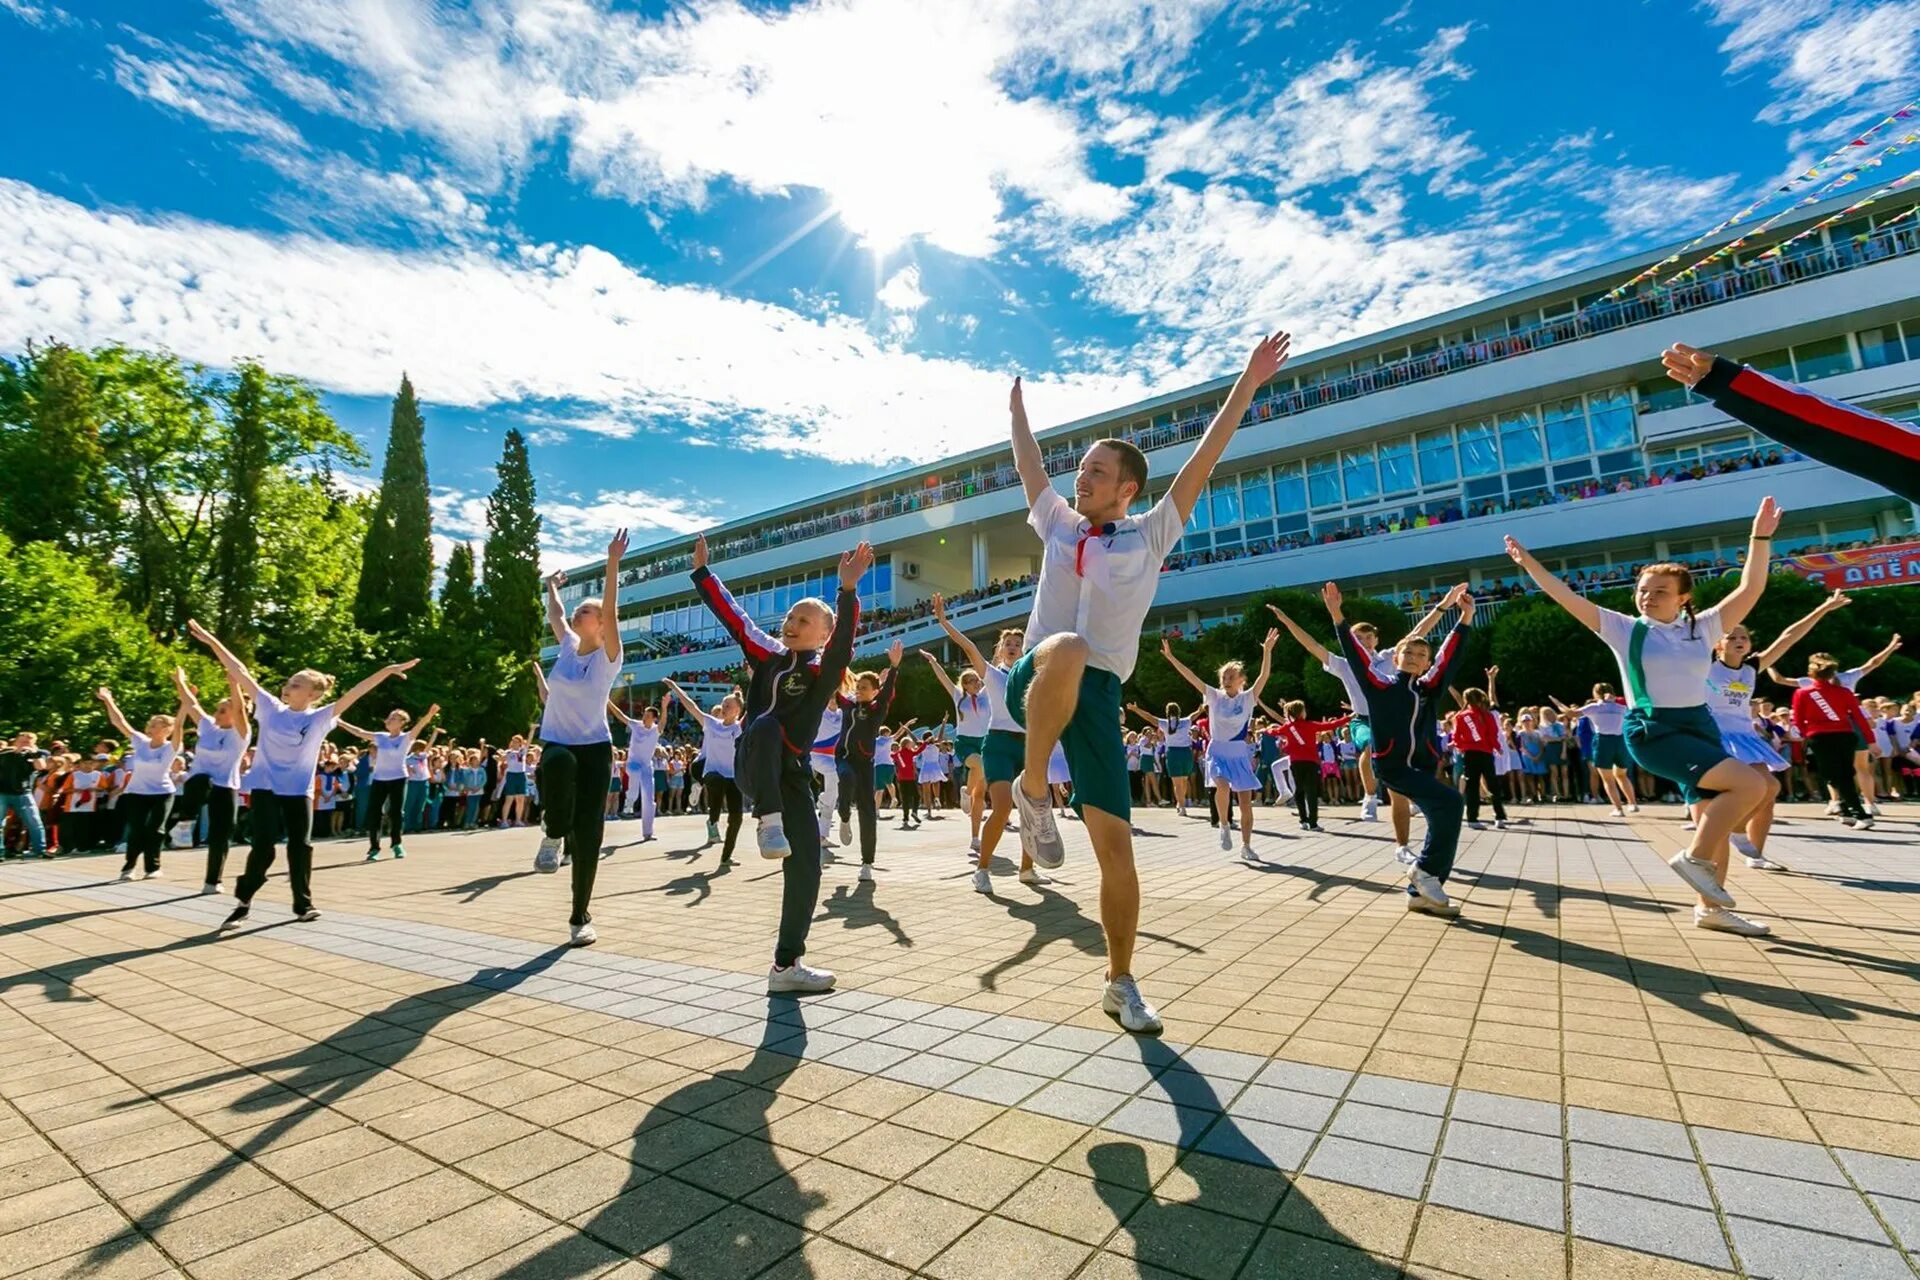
{"x": 1403, "y": 714}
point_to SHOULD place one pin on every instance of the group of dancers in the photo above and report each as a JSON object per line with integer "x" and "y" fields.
{"x": 1050, "y": 696}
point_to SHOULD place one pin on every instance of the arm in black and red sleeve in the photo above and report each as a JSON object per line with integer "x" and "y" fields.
{"x": 1840, "y": 435}
{"x": 755, "y": 643}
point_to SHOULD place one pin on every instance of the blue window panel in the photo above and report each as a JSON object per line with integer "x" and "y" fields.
{"x": 1226, "y": 504}
{"x": 1256, "y": 495}
{"x": 1479, "y": 455}
{"x": 1396, "y": 467}
{"x": 1438, "y": 464}
{"x": 1520, "y": 440}
{"x": 1362, "y": 476}
{"x": 1289, "y": 490}
{"x": 1323, "y": 481}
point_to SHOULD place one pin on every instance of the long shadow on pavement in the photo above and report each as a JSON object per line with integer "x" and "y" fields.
{"x": 1054, "y": 917}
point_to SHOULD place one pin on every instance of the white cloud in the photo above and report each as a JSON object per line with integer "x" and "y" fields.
{"x": 901, "y": 298}
{"x": 1824, "y": 56}
{"x": 540, "y": 324}
{"x": 574, "y": 528}
{"x": 199, "y": 87}
{"x": 36, "y": 14}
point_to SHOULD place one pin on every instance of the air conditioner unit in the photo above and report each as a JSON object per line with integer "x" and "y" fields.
{"x": 909, "y": 569}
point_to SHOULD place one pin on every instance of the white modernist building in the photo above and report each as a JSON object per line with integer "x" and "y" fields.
{"x": 1393, "y": 462}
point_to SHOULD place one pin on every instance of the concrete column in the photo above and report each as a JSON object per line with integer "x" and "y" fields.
{"x": 980, "y": 561}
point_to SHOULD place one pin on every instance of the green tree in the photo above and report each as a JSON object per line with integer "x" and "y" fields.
{"x": 512, "y": 613}
{"x": 396, "y": 585}
{"x": 309, "y": 564}
{"x": 50, "y": 450}
{"x": 237, "y": 555}
{"x": 460, "y": 669}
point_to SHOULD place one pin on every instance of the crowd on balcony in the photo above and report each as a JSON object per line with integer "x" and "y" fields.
{"x": 1334, "y": 386}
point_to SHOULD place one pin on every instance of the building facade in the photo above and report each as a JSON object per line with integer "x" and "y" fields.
{"x": 1394, "y": 463}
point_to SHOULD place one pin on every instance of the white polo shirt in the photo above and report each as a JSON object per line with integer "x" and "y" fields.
{"x": 1100, "y": 583}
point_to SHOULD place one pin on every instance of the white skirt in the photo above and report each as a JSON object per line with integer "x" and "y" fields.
{"x": 1750, "y": 748}
{"x": 1057, "y": 774}
{"x": 1231, "y": 763}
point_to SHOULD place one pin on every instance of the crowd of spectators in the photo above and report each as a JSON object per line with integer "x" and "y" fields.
{"x": 1300, "y": 395}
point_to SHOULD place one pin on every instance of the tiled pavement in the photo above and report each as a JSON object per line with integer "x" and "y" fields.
{"x": 1570, "y": 1081}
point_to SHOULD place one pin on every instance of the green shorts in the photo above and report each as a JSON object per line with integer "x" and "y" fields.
{"x": 882, "y": 776}
{"x": 1179, "y": 762}
{"x": 1002, "y": 755}
{"x": 1362, "y": 732}
{"x": 1609, "y": 751}
{"x": 965, "y": 749}
{"x": 1096, "y": 748}
{"x": 1680, "y": 744}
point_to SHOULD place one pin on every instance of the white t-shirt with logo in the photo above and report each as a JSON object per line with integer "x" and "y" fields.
{"x": 1099, "y": 583}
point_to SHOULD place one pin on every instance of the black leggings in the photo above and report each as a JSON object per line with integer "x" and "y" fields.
{"x": 856, "y": 789}
{"x": 573, "y": 808}
{"x": 1478, "y": 768}
{"x": 269, "y": 817}
{"x": 909, "y": 800}
{"x": 388, "y": 796}
{"x": 800, "y": 872}
{"x": 1306, "y": 791}
{"x": 1832, "y": 755}
{"x": 146, "y": 817}
{"x": 723, "y": 793}
{"x": 201, "y": 792}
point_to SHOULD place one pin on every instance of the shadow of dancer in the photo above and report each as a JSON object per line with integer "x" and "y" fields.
{"x": 1239, "y": 1184}
{"x": 856, "y": 909}
{"x": 323, "y": 1073}
{"x": 473, "y": 889}
{"x": 1056, "y": 917}
{"x": 697, "y": 884}
{"x": 703, "y": 1234}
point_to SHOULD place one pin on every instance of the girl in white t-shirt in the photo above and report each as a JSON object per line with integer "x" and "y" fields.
{"x": 1229, "y": 759}
{"x": 149, "y": 790}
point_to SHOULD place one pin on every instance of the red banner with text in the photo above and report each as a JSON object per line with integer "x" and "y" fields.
{"x": 1888, "y": 566}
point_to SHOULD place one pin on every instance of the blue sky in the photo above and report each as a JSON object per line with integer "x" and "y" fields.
{"x": 713, "y": 256}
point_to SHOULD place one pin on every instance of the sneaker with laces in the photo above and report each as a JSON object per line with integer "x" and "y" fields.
{"x": 1122, "y": 1000}
{"x": 235, "y": 918}
{"x": 1449, "y": 911}
{"x": 126, "y": 877}
{"x": 1698, "y": 872}
{"x": 1724, "y": 921}
{"x": 713, "y": 832}
{"x": 373, "y": 855}
{"x": 582, "y": 935}
{"x": 1404, "y": 855}
{"x": 974, "y": 844}
{"x": 546, "y": 859}
{"x": 210, "y": 887}
{"x": 1761, "y": 862}
{"x": 154, "y": 874}
{"x": 1226, "y": 839}
{"x": 982, "y": 882}
{"x": 1030, "y": 876}
{"x": 1039, "y": 833}
{"x": 1616, "y": 812}
{"x": 771, "y": 836}
{"x": 846, "y": 833}
{"x": 1429, "y": 888}
{"x": 798, "y": 979}
{"x": 309, "y": 915}
{"x": 1248, "y": 855}
{"x": 399, "y": 852}
{"x": 1860, "y": 824}
{"x": 1370, "y": 810}
{"x": 866, "y": 873}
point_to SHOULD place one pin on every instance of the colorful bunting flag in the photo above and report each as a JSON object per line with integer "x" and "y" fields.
{"x": 1896, "y": 185}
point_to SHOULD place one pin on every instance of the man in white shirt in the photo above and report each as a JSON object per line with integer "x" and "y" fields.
{"x": 1099, "y": 571}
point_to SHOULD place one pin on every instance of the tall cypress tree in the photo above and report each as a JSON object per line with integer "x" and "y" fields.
{"x": 510, "y": 583}
{"x": 396, "y": 580}
{"x": 236, "y": 556}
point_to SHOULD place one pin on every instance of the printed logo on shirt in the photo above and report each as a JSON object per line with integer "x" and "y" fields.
{"x": 794, "y": 685}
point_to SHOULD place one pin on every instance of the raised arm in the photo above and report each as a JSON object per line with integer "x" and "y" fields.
{"x": 557, "y": 612}
{"x": 353, "y": 730}
{"x": 940, "y": 673}
{"x": 1266, "y": 662}
{"x": 1794, "y": 634}
{"x": 1753, "y": 573}
{"x": 1262, "y": 364}
{"x": 959, "y": 637}
{"x": 883, "y": 700}
{"x": 396, "y": 670}
{"x": 610, "y": 597}
{"x": 237, "y": 673}
{"x": 755, "y": 643}
{"x": 1180, "y": 668}
{"x": 1493, "y": 679}
{"x": 1434, "y": 615}
{"x": 694, "y": 708}
{"x": 178, "y": 739}
{"x": 421, "y": 724}
{"x": 618, "y": 714}
{"x": 1785, "y": 682}
{"x": 1302, "y": 637}
{"x": 189, "y": 704}
{"x": 540, "y": 683}
{"x": 1892, "y": 646}
{"x": 1272, "y": 715}
{"x": 1144, "y": 714}
{"x": 1446, "y": 661}
{"x": 1027, "y": 458}
{"x": 114, "y": 718}
{"x": 1584, "y": 611}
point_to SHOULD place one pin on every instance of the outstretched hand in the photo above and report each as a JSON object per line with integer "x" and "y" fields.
{"x": 1330, "y": 594}
{"x": 1273, "y": 638}
{"x": 1838, "y": 600}
{"x": 1515, "y": 552}
{"x": 854, "y": 565}
{"x": 1166, "y": 648}
{"x": 617, "y": 545}
{"x": 398, "y": 670}
{"x": 1687, "y": 365}
{"x": 699, "y": 550}
{"x": 939, "y": 607}
{"x": 1767, "y": 518}
{"x": 894, "y": 653}
{"x": 1267, "y": 358}
{"x": 199, "y": 632}
{"x": 104, "y": 694}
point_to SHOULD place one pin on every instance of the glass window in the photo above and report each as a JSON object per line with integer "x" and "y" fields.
{"x": 1610, "y": 419}
{"x": 1520, "y": 439}
{"x": 1566, "y": 423}
{"x": 1289, "y": 490}
{"x": 1323, "y": 480}
{"x": 1396, "y": 467}
{"x": 1479, "y": 456}
{"x": 1292, "y": 524}
{"x": 1259, "y": 529}
{"x": 1625, "y": 462}
{"x": 1256, "y": 495}
{"x": 1778, "y": 363}
{"x": 1657, "y": 395}
{"x": 1911, "y": 327}
{"x": 1573, "y": 472}
{"x": 1196, "y": 542}
{"x": 1490, "y": 487}
{"x": 1437, "y": 462}
{"x": 1880, "y": 346}
{"x": 1822, "y": 359}
{"x": 1227, "y": 538}
{"x": 1527, "y": 482}
{"x": 1226, "y": 504}
{"x": 1363, "y": 479}
{"x": 1198, "y": 520}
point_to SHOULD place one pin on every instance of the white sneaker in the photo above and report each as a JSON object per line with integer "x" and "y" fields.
{"x": 797, "y": 978}
{"x": 1633, "y": 808}
{"x": 713, "y": 832}
{"x": 846, "y": 833}
{"x": 982, "y": 882}
{"x": 1370, "y": 811}
{"x": 309, "y": 915}
{"x": 1404, "y": 855}
{"x": 1030, "y": 876}
{"x": 974, "y": 844}
{"x": 582, "y": 935}
{"x": 1616, "y": 812}
{"x": 126, "y": 877}
{"x": 1248, "y": 855}
{"x": 1500, "y": 824}
{"x": 1763, "y": 863}
{"x": 1689, "y": 825}
{"x": 236, "y": 918}
{"x": 1417, "y": 903}
{"x": 1123, "y": 1000}
{"x": 866, "y": 874}
{"x": 1699, "y": 873}
{"x": 1429, "y": 888}
{"x": 210, "y": 887}
{"x": 1477, "y": 825}
{"x": 1226, "y": 839}
{"x": 1039, "y": 833}
{"x": 1725, "y": 921}
{"x": 771, "y": 836}
{"x": 1833, "y": 808}
{"x": 1742, "y": 845}
{"x": 1864, "y": 824}
{"x": 547, "y": 858}
{"x": 154, "y": 874}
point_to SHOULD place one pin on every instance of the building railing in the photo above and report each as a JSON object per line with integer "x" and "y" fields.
{"x": 1604, "y": 317}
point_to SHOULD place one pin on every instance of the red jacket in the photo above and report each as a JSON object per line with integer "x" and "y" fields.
{"x": 1476, "y": 729}
{"x": 1300, "y": 739}
{"x": 1827, "y": 706}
